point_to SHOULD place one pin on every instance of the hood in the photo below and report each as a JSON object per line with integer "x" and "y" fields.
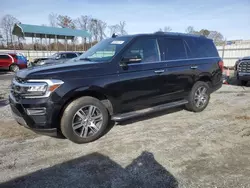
{"x": 69, "y": 68}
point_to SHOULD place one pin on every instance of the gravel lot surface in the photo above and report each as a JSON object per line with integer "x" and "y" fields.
{"x": 174, "y": 148}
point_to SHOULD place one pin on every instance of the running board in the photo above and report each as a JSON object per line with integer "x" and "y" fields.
{"x": 128, "y": 115}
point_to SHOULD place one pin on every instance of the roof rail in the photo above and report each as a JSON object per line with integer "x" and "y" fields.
{"x": 178, "y": 34}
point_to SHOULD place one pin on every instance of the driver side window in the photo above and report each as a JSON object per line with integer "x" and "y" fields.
{"x": 147, "y": 49}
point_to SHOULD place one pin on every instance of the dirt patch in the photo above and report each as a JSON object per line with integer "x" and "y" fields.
{"x": 15, "y": 132}
{"x": 242, "y": 117}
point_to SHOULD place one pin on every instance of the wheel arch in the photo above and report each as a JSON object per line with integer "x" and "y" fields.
{"x": 205, "y": 78}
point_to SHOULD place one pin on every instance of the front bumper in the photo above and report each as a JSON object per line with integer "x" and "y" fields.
{"x": 42, "y": 124}
{"x": 243, "y": 76}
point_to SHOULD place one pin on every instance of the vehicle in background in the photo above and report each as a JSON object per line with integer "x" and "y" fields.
{"x": 117, "y": 79}
{"x": 242, "y": 70}
{"x": 59, "y": 57}
{"x": 13, "y": 61}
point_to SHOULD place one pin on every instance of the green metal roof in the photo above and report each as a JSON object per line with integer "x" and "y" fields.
{"x": 25, "y": 30}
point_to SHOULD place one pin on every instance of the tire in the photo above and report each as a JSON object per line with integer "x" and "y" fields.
{"x": 242, "y": 82}
{"x": 14, "y": 68}
{"x": 192, "y": 101}
{"x": 78, "y": 111}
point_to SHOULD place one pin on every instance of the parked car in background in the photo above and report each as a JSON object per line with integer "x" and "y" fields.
{"x": 119, "y": 78}
{"x": 242, "y": 70}
{"x": 59, "y": 57}
{"x": 13, "y": 61}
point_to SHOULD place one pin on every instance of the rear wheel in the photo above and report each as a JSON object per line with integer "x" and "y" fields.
{"x": 199, "y": 97}
{"x": 84, "y": 120}
{"x": 14, "y": 68}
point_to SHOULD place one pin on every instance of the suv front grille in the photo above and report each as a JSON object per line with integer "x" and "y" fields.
{"x": 244, "y": 66}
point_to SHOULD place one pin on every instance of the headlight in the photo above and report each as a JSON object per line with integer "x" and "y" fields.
{"x": 36, "y": 88}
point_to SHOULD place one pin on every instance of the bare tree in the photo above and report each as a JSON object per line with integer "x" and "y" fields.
{"x": 122, "y": 30}
{"x": 101, "y": 26}
{"x": 65, "y": 22}
{"x": 190, "y": 30}
{"x": 53, "y": 19}
{"x": 113, "y": 29}
{"x": 217, "y": 37}
{"x": 167, "y": 29}
{"x": 7, "y": 24}
{"x": 83, "y": 22}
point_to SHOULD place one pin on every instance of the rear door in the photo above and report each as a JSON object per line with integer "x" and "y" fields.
{"x": 5, "y": 61}
{"x": 178, "y": 75}
{"x": 140, "y": 82}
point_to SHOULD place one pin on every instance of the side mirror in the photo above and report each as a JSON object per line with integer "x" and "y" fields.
{"x": 57, "y": 57}
{"x": 131, "y": 59}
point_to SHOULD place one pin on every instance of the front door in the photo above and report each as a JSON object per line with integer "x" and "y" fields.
{"x": 140, "y": 82}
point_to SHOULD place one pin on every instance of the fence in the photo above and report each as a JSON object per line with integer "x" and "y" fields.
{"x": 229, "y": 53}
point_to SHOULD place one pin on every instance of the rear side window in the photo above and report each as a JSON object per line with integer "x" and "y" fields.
{"x": 173, "y": 49}
{"x": 200, "y": 47}
{"x": 4, "y": 57}
{"x": 71, "y": 55}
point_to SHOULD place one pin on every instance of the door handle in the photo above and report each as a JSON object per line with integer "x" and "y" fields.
{"x": 159, "y": 71}
{"x": 193, "y": 67}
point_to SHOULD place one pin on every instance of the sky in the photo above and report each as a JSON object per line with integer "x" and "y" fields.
{"x": 230, "y": 17}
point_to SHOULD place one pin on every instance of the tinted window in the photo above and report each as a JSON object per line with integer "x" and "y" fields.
{"x": 4, "y": 57}
{"x": 173, "y": 49}
{"x": 200, "y": 47}
{"x": 146, "y": 48}
{"x": 69, "y": 56}
{"x": 62, "y": 56}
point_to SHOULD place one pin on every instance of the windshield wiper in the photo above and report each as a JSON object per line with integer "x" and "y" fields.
{"x": 85, "y": 59}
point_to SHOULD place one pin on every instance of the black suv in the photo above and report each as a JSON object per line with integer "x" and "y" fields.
{"x": 119, "y": 78}
{"x": 242, "y": 70}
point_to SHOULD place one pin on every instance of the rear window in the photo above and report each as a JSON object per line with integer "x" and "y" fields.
{"x": 200, "y": 47}
{"x": 4, "y": 57}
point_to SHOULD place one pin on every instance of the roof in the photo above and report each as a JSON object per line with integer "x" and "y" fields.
{"x": 25, "y": 30}
{"x": 160, "y": 33}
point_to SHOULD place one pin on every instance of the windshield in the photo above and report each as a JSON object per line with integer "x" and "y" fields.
{"x": 105, "y": 50}
{"x": 54, "y": 55}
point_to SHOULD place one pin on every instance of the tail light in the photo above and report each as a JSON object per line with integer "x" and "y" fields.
{"x": 221, "y": 65}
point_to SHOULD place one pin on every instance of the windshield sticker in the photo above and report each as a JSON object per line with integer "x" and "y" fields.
{"x": 117, "y": 42}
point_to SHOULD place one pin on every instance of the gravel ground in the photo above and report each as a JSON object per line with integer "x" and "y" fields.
{"x": 174, "y": 148}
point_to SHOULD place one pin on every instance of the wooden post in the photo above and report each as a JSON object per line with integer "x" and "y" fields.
{"x": 66, "y": 43}
{"x": 35, "y": 45}
{"x": 46, "y": 44}
{"x": 32, "y": 43}
{"x": 56, "y": 43}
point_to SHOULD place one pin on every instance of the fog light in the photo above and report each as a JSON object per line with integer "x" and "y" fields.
{"x": 36, "y": 111}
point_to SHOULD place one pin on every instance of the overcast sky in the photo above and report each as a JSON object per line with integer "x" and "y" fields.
{"x": 230, "y": 17}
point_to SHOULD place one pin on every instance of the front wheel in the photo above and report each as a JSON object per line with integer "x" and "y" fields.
{"x": 199, "y": 97}
{"x": 84, "y": 120}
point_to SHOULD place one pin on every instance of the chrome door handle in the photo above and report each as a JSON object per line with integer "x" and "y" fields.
{"x": 193, "y": 67}
{"x": 159, "y": 71}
